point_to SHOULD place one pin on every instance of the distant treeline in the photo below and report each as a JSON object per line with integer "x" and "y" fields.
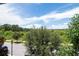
{"x": 8, "y": 27}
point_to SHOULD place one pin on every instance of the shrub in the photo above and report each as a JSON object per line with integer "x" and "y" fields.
{"x": 42, "y": 42}
{"x": 16, "y": 35}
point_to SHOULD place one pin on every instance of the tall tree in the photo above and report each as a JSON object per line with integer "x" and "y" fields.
{"x": 74, "y": 33}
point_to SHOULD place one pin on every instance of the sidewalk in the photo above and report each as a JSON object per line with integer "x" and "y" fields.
{"x": 18, "y": 49}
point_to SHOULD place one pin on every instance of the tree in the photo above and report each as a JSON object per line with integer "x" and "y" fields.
{"x": 16, "y": 35}
{"x": 74, "y": 33}
{"x": 15, "y": 28}
{"x": 6, "y": 27}
{"x": 42, "y": 42}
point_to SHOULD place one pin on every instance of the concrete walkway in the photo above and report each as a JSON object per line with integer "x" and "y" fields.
{"x": 18, "y": 49}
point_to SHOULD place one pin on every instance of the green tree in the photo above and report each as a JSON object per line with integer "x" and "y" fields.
{"x": 6, "y": 27}
{"x": 74, "y": 33}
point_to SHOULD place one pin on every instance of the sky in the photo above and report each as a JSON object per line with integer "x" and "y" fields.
{"x": 27, "y": 15}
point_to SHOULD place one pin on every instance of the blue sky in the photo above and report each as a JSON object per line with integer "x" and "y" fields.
{"x": 30, "y": 10}
{"x": 51, "y": 15}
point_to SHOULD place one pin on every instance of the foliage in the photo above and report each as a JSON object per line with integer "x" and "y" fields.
{"x": 65, "y": 50}
{"x": 74, "y": 33}
{"x": 42, "y": 42}
{"x": 8, "y": 27}
{"x": 8, "y": 35}
{"x": 16, "y": 35}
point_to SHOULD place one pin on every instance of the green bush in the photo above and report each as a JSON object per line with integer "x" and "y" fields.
{"x": 41, "y": 42}
{"x": 8, "y": 35}
{"x": 16, "y": 35}
{"x": 65, "y": 50}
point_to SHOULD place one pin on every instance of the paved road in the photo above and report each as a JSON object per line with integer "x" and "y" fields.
{"x": 18, "y": 49}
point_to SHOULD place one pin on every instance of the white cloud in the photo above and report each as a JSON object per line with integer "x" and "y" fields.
{"x": 66, "y": 14}
{"x": 61, "y": 26}
{"x": 57, "y": 16}
{"x": 31, "y": 20}
{"x": 8, "y": 16}
{"x": 34, "y": 25}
